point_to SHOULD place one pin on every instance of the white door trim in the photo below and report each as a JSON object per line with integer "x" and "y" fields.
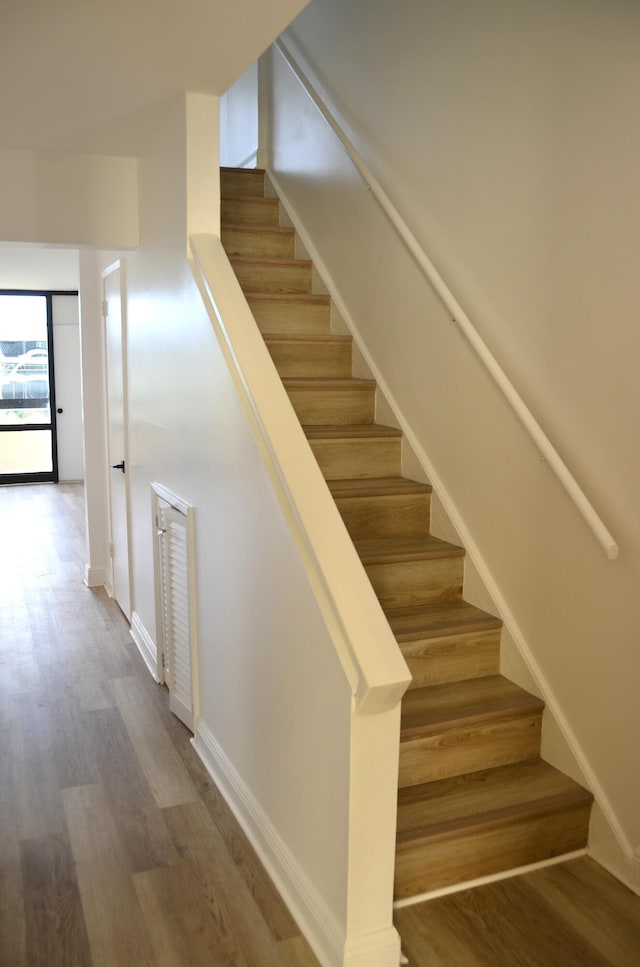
{"x": 118, "y": 266}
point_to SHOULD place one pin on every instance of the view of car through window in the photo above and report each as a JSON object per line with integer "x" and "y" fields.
{"x": 25, "y": 376}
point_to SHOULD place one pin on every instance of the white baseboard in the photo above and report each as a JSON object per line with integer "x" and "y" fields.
{"x": 95, "y": 577}
{"x": 145, "y": 644}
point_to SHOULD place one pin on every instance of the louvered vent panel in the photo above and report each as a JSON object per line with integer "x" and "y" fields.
{"x": 176, "y": 609}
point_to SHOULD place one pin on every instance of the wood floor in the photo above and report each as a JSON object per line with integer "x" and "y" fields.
{"x": 116, "y": 850}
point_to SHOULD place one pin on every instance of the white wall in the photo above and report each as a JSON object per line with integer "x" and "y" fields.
{"x": 239, "y": 121}
{"x": 68, "y": 387}
{"x": 31, "y": 267}
{"x": 505, "y": 134}
{"x": 68, "y": 199}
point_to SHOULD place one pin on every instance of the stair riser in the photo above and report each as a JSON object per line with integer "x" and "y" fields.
{"x": 339, "y": 459}
{"x": 530, "y": 840}
{"x": 271, "y": 277}
{"x": 281, "y": 317}
{"x": 246, "y": 182}
{"x": 391, "y": 515}
{"x": 337, "y": 407}
{"x": 250, "y": 211}
{"x": 454, "y": 658}
{"x": 315, "y": 359}
{"x": 407, "y": 583}
{"x": 265, "y": 245}
{"x": 469, "y": 748}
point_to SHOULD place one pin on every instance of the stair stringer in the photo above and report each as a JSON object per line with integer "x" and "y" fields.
{"x": 560, "y": 745}
{"x": 374, "y": 672}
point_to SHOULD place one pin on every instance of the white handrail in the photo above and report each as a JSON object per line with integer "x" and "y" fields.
{"x": 549, "y": 454}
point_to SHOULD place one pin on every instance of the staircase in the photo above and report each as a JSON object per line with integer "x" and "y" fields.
{"x": 474, "y": 795}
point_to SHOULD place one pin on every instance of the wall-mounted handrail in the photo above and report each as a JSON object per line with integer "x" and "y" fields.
{"x": 549, "y": 454}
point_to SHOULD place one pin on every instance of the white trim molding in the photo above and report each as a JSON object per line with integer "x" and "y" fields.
{"x": 95, "y": 577}
{"x": 145, "y": 645}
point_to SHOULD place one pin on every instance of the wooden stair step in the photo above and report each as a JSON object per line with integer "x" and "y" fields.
{"x": 397, "y": 551}
{"x": 460, "y": 828}
{"x": 447, "y": 641}
{"x": 292, "y": 312}
{"x": 439, "y": 619}
{"x": 304, "y": 355}
{"x": 466, "y": 726}
{"x": 365, "y": 450}
{"x": 386, "y": 507}
{"x": 245, "y": 210}
{"x": 377, "y": 486}
{"x": 272, "y": 275}
{"x": 253, "y": 241}
{"x": 407, "y": 572}
{"x": 242, "y": 181}
{"x": 338, "y": 401}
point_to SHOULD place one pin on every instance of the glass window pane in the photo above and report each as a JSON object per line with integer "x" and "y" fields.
{"x": 24, "y": 360}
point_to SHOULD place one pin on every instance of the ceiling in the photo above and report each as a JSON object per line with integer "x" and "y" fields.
{"x": 90, "y": 77}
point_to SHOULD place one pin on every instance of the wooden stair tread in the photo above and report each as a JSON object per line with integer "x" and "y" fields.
{"x": 257, "y": 229}
{"x": 351, "y": 431}
{"x": 467, "y": 804}
{"x": 323, "y": 383}
{"x": 377, "y": 487}
{"x": 244, "y": 171}
{"x": 436, "y": 707}
{"x": 303, "y": 298}
{"x": 390, "y": 550}
{"x": 261, "y": 260}
{"x": 304, "y": 338}
{"x": 254, "y": 199}
{"x": 438, "y": 619}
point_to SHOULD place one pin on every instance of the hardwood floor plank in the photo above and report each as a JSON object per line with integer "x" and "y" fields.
{"x": 115, "y": 925}
{"x": 117, "y": 932}
{"x": 503, "y": 923}
{"x": 223, "y": 883}
{"x": 575, "y": 889}
{"x": 93, "y": 831}
{"x": 38, "y": 801}
{"x": 179, "y": 921}
{"x": 166, "y": 775}
{"x": 13, "y": 950}
{"x": 140, "y": 822}
{"x": 56, "y": 935}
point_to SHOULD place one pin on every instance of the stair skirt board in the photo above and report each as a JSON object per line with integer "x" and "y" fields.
{"x": 305, "y": 904}
{"x": 460, "y": 718}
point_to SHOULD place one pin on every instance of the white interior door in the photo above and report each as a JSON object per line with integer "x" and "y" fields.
{"x": 66, "y": 351}
{"x": 115, "y": 344}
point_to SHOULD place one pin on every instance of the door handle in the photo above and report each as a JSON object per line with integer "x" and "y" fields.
{"x": 118, "y": 466}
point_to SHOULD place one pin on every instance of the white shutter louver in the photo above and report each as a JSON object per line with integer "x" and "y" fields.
{"x": 176, "y": 610}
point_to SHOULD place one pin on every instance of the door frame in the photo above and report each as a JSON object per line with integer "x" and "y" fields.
{"x": 117, "y": 266}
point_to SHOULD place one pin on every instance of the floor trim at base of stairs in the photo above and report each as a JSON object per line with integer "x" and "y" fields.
{"x": 483, "y": 880}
